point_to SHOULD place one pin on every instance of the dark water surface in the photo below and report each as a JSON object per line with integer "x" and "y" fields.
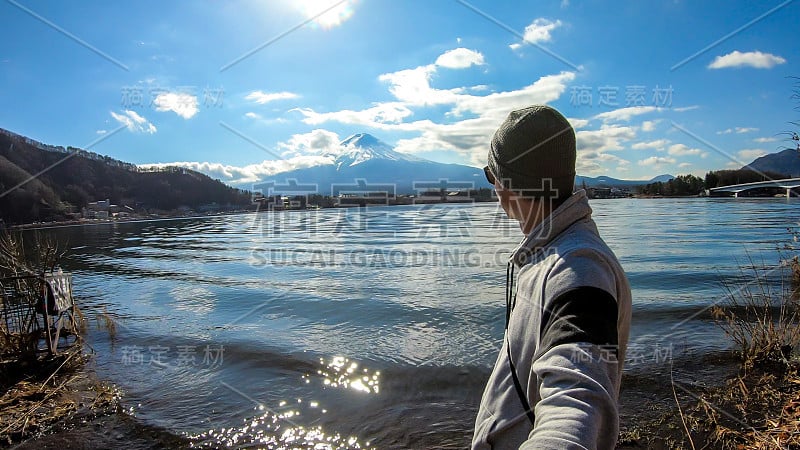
{"x": 373, "y": 327}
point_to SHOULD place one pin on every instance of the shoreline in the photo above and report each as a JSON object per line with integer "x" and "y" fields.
{"x": 72, "y": 222}
{"x": 648, "y": 413}
{"x": 67, "y": 223}
{"x": 39, "y": 397}
{"x": 88, "y": 415}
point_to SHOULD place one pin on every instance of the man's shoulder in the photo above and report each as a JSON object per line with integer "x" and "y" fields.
{"x": 580, "y": 258}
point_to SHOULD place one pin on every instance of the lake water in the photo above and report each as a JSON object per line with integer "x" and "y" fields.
{"x": 371, "y": 327}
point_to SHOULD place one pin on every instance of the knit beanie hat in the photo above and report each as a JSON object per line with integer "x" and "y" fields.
{"x": 533, "y": 145}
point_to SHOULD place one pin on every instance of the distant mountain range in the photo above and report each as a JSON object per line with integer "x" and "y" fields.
{"x": 603, "y": 181}
{"x": 369, "y": 163}
{"x": 71, "y": 177}
{"x": 786, "y": 162}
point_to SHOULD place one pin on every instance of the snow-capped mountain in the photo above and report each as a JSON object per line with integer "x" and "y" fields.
{"x": 364, "y": 160}
{"x": 362, "y": 147}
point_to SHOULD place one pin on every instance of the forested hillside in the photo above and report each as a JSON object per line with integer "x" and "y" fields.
{"x": 71, "y": 178}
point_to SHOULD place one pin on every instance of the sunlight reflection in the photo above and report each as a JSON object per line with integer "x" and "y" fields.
{"x": 274, "y": 431}
{"x": 341, "y": 372}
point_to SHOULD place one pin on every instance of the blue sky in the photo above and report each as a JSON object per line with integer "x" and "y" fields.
{"x": 244, "y": 89}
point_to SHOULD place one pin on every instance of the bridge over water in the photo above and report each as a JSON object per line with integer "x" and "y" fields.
{"x": 787, "y": 183}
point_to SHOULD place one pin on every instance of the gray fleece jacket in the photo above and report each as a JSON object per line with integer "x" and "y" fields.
{"x": 566, "y": 336}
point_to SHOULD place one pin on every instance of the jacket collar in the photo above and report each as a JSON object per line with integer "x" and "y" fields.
{"x": 575, "y": 208}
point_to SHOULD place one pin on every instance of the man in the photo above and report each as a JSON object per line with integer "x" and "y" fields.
{"x": 556, "y": 381}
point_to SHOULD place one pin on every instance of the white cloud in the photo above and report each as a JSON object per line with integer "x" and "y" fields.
{"x": 625, "y": 114}
{"x": 316, "y": 142}
{"x": 738, "y": 130}
{"x": 656, "y": 161}
{"x": 300, "y": 151}
{"x": 376, "y": 117}
{"x": 413, "y": 87}
{"x": 763, "y": 140}
{"x": 649, "y": 125}
{"x": 497, "y": 104}
{"x": 467, "y": 137}
{"x": 592, "y": 162}
{"x": 538, "y": 31}
{"x": 607, "y": 138}
{"x": 755, "y": 59}
{"x": 594, "y": 145}
{"x": 685, "y": 108}
{"x": 181, "y": 103}
{"x": 134, "y": 122}
{"x": 262, "y": 97}
{"x": 750, "y": 154}
{"x": 252, "y": 115}
{"x": 460, "y": 58}
{"x": 249, "y": 174}
{"x": 578, "y": 123}
{"x": 683, "y": 150}
{"x": 684, "y": 165}
{"x": 658, "y": 144}
{"x": 101, "y": 131}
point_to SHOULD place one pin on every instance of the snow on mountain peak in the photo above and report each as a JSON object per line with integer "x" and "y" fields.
{"x": 362, "y": 147}
{"x": 363, "y": 140}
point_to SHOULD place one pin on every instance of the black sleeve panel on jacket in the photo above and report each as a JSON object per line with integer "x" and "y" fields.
{"x": 584, "y": 314}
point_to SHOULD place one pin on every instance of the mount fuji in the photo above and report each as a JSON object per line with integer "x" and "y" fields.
{"x": 362, "y": 147}
{"x": 367, "y": 163}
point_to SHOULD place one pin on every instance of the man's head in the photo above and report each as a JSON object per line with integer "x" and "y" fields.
{"x": 532, "y": 163}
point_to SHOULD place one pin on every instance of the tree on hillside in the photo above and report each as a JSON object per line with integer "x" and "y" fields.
{"x": 796, "y": 98}
{"x": 70, "y": 184}
{"x": 719, "y": 178}
{"x": 792, "y": 136}
{"x": 712, "y": 180}
{"x": 682, "y": 185}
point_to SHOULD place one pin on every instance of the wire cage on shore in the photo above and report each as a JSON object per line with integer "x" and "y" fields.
{"x": 37, "y": 314}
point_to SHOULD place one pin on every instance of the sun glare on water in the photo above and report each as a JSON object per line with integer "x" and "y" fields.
{"x": 326, "y": 13}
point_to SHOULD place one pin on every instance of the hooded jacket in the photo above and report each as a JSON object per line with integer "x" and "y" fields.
{"x": 556, "y": 381}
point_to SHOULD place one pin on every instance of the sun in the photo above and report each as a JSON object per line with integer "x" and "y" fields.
{"x": 326, "y": 13}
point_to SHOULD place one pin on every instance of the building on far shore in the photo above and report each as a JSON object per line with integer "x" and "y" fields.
{"x": 607, "y": 192}
{"x": 104, "y": 209}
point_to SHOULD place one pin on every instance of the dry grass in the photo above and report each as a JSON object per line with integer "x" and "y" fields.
{"x": 760, "y": 406}
{"x": 793, "y": 260}
{"x": 34, "y": 258}
{"x": 106, "y": 322}
{"x": 757, "y": 410}
{"x": 43, "y": 396}
{"x": 757, "y": 404}
{"x": 761, "y": 319}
